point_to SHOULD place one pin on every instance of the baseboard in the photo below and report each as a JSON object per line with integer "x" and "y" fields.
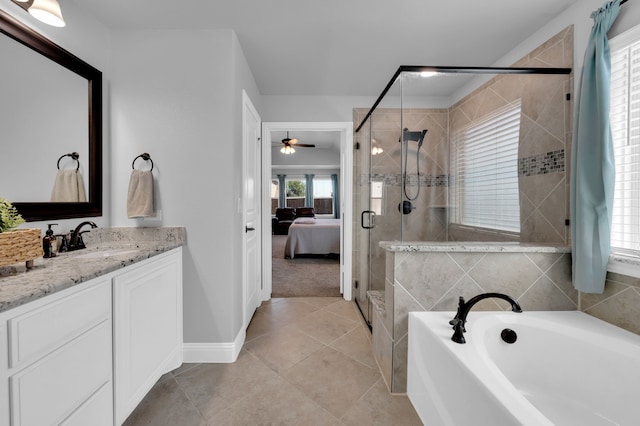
{"x": 213, "y": 352}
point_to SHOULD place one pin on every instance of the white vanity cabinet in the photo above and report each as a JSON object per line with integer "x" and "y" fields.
{"x": 148, "y": 328}
{"x": 87, "y": 355}
{"x": 59, "y": 357}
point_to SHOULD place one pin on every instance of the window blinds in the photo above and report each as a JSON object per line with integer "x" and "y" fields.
{"x": 625, "y": 128}
{"x": 486, "y": 179}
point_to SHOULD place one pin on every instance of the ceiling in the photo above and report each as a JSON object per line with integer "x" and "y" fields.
{"x": 343, "y": 47}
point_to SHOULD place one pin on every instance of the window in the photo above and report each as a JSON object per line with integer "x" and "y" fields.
{"x": 625, "y": 127}
{"x": 485, "y": 155}
{"x": 323, "y": 195}
{"x": 295, "y": 191}
{"x": 275, "y": 195}
{"x": 376, "y": 194}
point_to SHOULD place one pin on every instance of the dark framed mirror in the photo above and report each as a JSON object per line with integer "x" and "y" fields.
{"x": 33, "y": 210}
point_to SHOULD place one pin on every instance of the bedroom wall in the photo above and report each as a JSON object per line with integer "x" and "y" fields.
{"x": 306, "y": 157}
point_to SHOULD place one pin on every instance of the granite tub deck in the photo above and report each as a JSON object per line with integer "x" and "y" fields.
{"x": 19, "y": 285}
{"x": 431, "y": 276}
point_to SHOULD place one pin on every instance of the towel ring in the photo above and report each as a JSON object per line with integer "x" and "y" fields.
{"x": 73, "y": 155}
{"x": 145, "y": 156}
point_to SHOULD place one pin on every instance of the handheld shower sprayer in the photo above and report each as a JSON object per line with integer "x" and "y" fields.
{"x": 411, "y": 136}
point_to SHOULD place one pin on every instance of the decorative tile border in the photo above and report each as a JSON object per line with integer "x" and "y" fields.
{"x": 542, "y": 164}
{"x": 395, "y": 179}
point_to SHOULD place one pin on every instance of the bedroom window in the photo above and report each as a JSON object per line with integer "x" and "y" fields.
{"x": 275, "y": 191}
{"x": 323, "y": 195}
{"x": 295, "y": 192}
{"x": 486, "y": 179}
{"x": 625, "y": 129}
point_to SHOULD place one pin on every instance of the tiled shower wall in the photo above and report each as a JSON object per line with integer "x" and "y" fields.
{"x": 545, "y": 139}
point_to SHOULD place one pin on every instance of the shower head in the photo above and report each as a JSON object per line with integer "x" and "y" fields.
{"x": 417, "y": 136}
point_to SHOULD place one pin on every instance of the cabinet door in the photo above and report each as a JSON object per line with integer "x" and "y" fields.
{"x": 147, "y": 328}
{"x": 52, "y": 389}
{"x": 4, "y": 375}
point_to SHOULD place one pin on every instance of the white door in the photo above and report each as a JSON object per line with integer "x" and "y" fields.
{"x": 251, "y": 168}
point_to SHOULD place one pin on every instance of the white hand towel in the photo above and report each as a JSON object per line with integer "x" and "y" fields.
{"x": 68, "y": 187}
{"x": 140, "y": 196}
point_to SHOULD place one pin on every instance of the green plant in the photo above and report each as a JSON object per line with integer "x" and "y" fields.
{"x": 296, "y": 188}
{"x": 9, "y": 216}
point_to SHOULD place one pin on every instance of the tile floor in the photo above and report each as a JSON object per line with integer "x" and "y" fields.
{"x": 306, "y": 361}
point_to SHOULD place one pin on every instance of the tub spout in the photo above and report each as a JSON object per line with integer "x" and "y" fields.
{"x": 460, "y": 319}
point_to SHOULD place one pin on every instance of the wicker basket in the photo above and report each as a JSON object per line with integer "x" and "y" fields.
{"x": 20, "y": 245}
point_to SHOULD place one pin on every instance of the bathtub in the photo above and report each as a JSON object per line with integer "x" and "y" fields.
{"x": 565, "y": 368}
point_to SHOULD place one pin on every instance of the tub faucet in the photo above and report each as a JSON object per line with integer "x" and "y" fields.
{"x": 463, "y": 310}
{"x": 76, "y": 242}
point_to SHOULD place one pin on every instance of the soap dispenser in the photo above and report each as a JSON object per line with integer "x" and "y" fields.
{"x": 49, "y": 242}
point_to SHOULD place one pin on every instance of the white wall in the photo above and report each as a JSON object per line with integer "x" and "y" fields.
{"x": 313, "y": 108}
{"x": 242, "y": 80}
{"x": 306, "y": 157}
{"x": 89, "y": 40}
{"x": 176, "y": 94}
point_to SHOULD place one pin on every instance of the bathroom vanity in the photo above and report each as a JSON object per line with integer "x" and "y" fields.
{"x": 84, "y": 336}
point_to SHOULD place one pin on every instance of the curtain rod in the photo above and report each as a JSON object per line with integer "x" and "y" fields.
{"x": 460, "y": 70}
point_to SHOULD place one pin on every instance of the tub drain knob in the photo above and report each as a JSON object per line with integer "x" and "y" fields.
{"x": 509, "y": 336}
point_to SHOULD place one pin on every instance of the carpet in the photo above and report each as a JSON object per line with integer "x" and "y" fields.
{"x": 303, "y": 276}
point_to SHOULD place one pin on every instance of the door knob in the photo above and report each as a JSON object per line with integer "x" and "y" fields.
{"x": 247, "y": 229}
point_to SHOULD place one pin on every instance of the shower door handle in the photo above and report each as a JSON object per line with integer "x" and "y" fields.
{"x": 371, "y": 220}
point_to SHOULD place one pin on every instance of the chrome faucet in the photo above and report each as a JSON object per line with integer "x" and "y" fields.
{"x": 76, "y": 242}
{"x": 463, "y": 310}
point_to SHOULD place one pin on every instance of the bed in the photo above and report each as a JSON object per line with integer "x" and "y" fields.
{"x": 313, "y": 236}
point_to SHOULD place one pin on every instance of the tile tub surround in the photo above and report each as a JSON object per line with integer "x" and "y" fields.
{"x": 432, "y": 276}
{"x": 19, "y": 286}
{"x": 619, "y": 304}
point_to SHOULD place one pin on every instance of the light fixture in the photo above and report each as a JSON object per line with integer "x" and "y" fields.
{"x": 47, "y": 11}
{"x": 375, "y": 150}
{"x": 287, "y": 149}
{"x": 427, "y": 74}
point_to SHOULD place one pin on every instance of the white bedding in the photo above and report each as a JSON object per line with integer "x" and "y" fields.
{"x": 316, "y": 236}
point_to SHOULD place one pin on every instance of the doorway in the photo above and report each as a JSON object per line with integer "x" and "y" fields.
{"x": 345, "y": 136}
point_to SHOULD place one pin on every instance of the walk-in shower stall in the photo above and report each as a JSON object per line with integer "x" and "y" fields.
{"x": 461, "y": 154}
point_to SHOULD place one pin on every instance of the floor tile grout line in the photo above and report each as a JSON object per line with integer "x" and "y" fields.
{"x": 361, "y": 397}
{"x": 189, "y": 399}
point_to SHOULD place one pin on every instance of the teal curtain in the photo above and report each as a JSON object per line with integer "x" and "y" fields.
{"x": 308, "y": 197}
{"x": 336, "y": 196}
{"x": 592, "y": 161}
{"x": 282, "y": 191}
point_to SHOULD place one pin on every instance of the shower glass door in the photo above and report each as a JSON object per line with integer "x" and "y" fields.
{"x": 377, "y": 196}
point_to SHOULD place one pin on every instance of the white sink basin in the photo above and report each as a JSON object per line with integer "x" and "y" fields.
{"x": 105, "y": 253}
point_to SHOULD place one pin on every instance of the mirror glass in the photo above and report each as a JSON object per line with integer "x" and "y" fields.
{"x": 50, "y": 106}
{"x": 43, "y": 115}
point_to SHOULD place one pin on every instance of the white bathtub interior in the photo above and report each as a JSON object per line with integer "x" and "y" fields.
{"x": 566, "y": 368}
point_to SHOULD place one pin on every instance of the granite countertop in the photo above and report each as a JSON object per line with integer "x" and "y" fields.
{"x": 472, "y": 246}
{"x": 126, "y": 245}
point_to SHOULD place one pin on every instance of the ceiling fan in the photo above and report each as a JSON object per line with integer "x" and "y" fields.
{"x": 289, "y": 143}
